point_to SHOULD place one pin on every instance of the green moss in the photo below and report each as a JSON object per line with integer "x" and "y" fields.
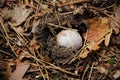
{"x": 111, "y": 61}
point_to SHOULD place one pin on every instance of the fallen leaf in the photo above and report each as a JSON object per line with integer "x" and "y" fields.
{"x": 117, "y": 74}
{"x": 94, "y": 45}
{"x": 19, "y": 15}
{"x": 102, "y": 69}
{"x": 113, "y": 24}
{"x": 35, "y": 25}
{"x": 98, "y": 31}
{"x": 7, "y": 13}
{"x": 20, "y": 30}
{"x": 21, "y": 68}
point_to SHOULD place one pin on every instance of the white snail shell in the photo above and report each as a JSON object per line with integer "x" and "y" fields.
{"x": 69, "y": 39}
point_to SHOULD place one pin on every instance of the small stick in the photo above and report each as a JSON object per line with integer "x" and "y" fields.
{"x": 7, "y": 37}
{"x": 51, "y": 24}
{"x": 90, "y": 72}
{"x": 72, "y": 2}
{"x": 53, "y": 66}
{"x": 85, "y": 72}
{"x": 106, "y": 14}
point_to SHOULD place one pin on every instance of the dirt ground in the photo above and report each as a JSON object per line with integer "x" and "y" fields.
{"x": 28, "y": 30}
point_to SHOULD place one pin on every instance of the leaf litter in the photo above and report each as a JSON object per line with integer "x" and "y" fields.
{"x": 28, "y": 32}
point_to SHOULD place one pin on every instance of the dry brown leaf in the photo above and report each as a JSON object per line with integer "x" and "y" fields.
{"x": 20, "y": 30}
{"x": 117, "y": 74}
{"x": 6, "y": 13}
{"x": 102, "y": 69}
{"x": 34, "y": 27}
{"x": 94, "y": 45}
{"x": 21, "y": 68}
{"x": 19, "y": 15}
{"x": 98, "y": 30}
{"x": 113, "y": 23}
{"x": 91, "y": 46}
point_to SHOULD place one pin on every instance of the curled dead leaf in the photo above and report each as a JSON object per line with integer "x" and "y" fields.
{"x": 99, "y": 30}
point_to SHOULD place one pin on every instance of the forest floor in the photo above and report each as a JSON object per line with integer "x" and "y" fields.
{"x": 28, "y": 46}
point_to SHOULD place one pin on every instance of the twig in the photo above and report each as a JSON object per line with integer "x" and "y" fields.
{"x": 18, "y": 33}
{"x": 90, "y": 72}
{"x": 85, "y": 72}
{"x": 51, "y": 24}
{"x": 67, "y": 13}
{"x": 39, "y": 66}
{"x": 6, "y": 37}
{"x": 72, "y": 2}
{"x": 105, "y": 14}
{"x": 43, "y": 65}
{"x": 54, "y": 66}
{"x": 60, "y": 69}
{"x": 37, "y": 1}
{"x": 77, "y": 55}
{"x": 57, "y": 17}
{"x": 6, "y": 53}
